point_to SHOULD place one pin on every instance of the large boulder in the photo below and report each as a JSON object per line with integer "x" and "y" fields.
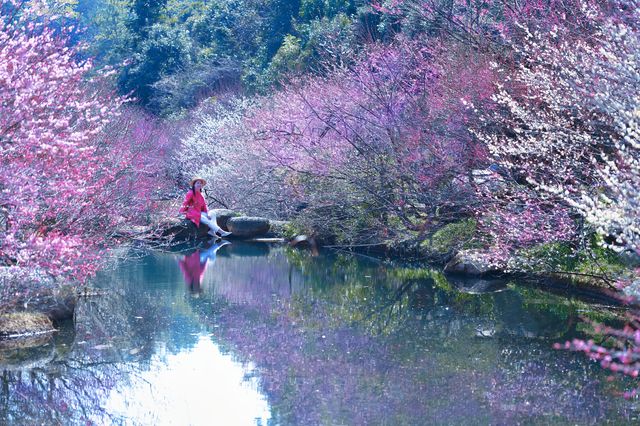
{"x": 470, "y": 262}
{"x": 247, "y": 227}
{"x": 223, "y": 216}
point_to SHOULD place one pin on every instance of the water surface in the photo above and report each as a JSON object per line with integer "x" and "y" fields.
{"x": 252, "y": 334}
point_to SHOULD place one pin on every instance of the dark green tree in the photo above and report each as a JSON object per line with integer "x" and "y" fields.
{"x": 145, "y": 13}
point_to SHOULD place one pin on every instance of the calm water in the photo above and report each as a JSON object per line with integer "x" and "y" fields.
{"x": 264, "y": 335}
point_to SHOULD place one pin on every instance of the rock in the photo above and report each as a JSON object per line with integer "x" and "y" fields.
{"x": 470, "y": 262}
{"x": 223, "y": 216}
{"x": 57, "y": 304}
{"x": 305, "y": 241}
{"x": 182, "y": 229}
{"x": 478, "y": 285}
{"x": 24, "y": 324}
{"x": 35, "y": 351}
{"x": 247, "y": 227}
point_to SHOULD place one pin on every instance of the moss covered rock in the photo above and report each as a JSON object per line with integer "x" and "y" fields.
{"x": 449, "y": 239}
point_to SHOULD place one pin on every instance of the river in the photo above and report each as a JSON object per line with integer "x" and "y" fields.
{"x": 258, "y": 334}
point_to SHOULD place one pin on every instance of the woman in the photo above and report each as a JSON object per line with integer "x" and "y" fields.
{"x": 195, "y": 208}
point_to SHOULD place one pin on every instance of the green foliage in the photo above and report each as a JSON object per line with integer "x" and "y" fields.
{"x": 163, "y": 51}
{"x": 60, "y": 7}
{"x": 318, "y": 9}
{"x": 331, "y": 39}
{"x": 553, "y": 256}
{"x": 265, "y": 39}
{"x": 107, "y": 28}
{"x": 292, "y": 229}
{"x": 591, "y": 260}
{"x": 145, "y": 13}
{"x": 289, "y": 58}
{"x": 451, "y": 238}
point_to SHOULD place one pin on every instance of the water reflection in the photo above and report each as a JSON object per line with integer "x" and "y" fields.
{"x": 199, "y": 386}
{"x": 280, "y": 336}
{"x": 194, "y": 265}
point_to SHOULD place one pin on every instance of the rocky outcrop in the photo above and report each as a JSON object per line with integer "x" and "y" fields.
{"x": 470, "y": 262}
{"x": 242, "y": 227}
{"x": 247, "y": 227}
{"x": 57, "y": 303}
{"x": 24, "y": 324}
{"x": 34, "y": 291}
{"x": 34, "y": 350}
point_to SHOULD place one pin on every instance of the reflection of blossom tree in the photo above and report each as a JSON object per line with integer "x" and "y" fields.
{"x": 344, "y": 347}
{"x": 114, "y": 341}
{"x": 535, "y": 385}
{"x": 330, "y": 340}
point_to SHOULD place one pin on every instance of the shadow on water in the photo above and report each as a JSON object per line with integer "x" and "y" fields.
{"x": 280, "y": 336}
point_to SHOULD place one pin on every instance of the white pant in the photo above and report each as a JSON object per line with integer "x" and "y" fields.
{"x": 210, "y": 221}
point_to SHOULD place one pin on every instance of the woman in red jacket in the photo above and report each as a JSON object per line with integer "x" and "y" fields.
{"x": 195, "y": 208}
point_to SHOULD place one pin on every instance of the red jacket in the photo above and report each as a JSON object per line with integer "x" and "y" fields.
{"x": 194, "y": 205}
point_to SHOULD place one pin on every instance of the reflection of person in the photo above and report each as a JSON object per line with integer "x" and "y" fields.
{"x": 194, "y": 265}
{"x": 195, "y": 209}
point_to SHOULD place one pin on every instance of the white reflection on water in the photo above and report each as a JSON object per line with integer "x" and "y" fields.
{"x": 201, "y": 386}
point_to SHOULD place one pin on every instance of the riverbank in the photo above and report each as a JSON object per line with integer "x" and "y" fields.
{"x": 452, "y": 250}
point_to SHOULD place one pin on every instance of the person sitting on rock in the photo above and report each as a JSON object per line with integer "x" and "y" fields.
{"x": 195, "y": 209}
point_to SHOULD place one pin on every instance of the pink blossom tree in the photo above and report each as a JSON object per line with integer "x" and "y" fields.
{"x": 373, "y": 151}
{"x": 566, "y": 138}
{"x": 63, "y": 186}
{"x": 380, "y": 147}
{"x": 570, "y": 128}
